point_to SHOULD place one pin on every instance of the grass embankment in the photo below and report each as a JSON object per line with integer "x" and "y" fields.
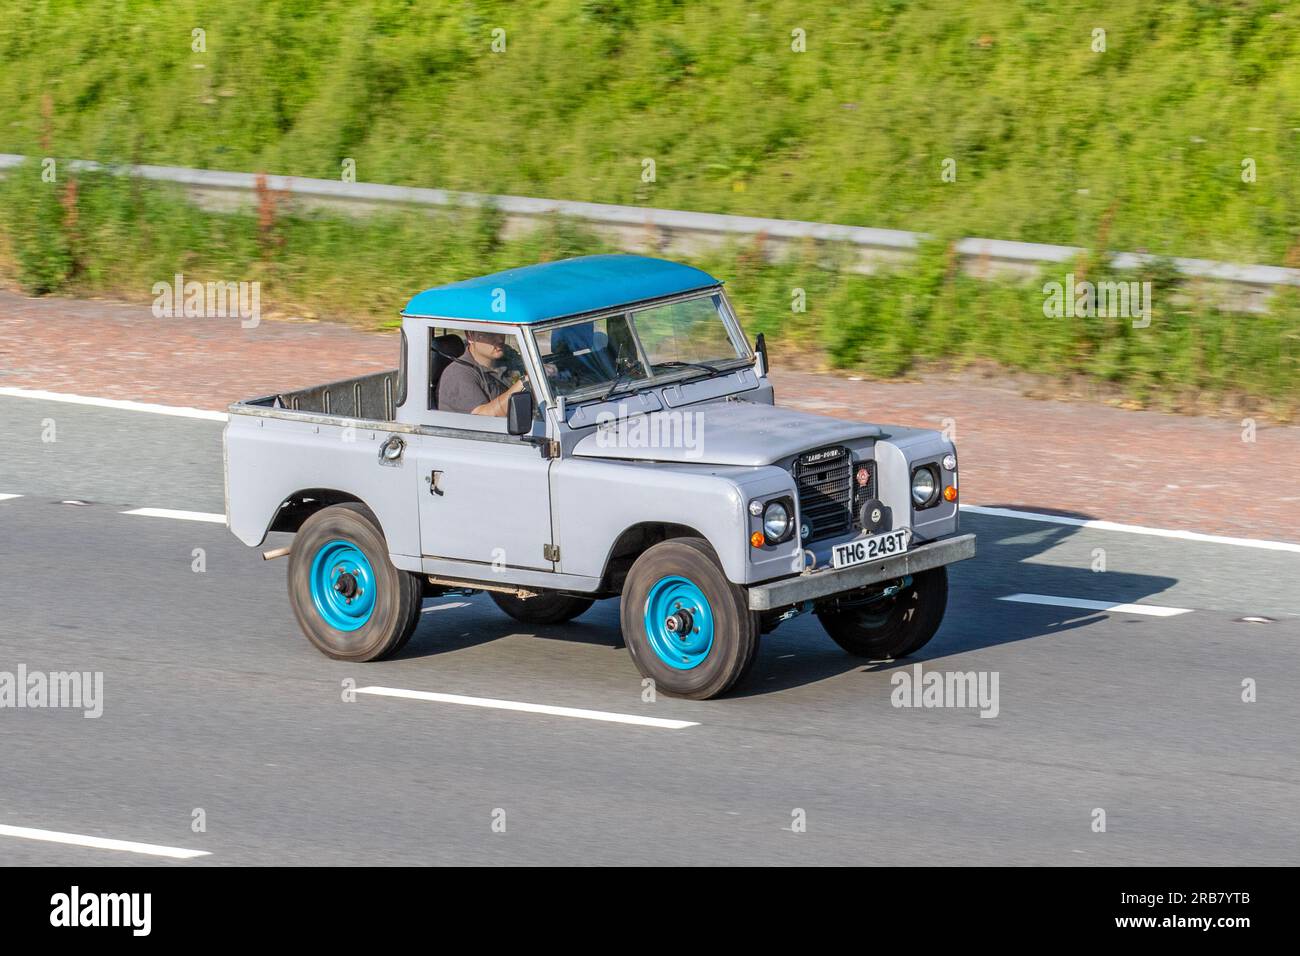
{"x": 1137, "y": 147}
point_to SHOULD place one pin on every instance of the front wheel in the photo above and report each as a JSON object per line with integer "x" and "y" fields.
{"x": 687, "y": 627}
{"x": 890, "y": 627}
{"x": 349, "y": 600}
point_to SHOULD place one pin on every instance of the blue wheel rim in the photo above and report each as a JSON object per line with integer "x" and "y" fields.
{"x": 342, "y": 585}
{"x": 685, "y": 642}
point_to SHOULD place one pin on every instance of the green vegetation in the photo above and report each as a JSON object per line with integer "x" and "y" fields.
{"x": 118, "y": 236}
{"x": 1137, "y": 147}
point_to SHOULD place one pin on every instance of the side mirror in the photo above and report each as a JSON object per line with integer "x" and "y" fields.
{"x": 519, "y": 413}
{"x": 760, "y": 346}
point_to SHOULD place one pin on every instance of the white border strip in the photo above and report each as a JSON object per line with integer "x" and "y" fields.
{"x": 9, "y": 497}
{"x": 178, "y": 411}
{"x": 1134, "y": 529}
{"x": 101, "y": 843}
{"x": 179, "y": 515}
{"x": 529, "y": 708}
{"x": 1151, "y": 610}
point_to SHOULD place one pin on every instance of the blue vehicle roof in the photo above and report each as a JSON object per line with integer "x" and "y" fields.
{"x": 552, "y": 290}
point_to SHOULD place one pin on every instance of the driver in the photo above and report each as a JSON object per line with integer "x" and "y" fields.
{"x": 475, "y": 384}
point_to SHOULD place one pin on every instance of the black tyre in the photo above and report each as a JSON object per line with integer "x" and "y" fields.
{"x": 543, "y": 609}
{"x": 349, "y": 600}
{"x": 686, "y": 626}
{"x": 892, "y": 627}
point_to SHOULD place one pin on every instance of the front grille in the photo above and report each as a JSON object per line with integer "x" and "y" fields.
{"x": 824, "y": 479}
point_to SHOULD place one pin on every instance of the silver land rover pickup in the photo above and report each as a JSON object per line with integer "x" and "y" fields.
{"x": 595, "y": 428}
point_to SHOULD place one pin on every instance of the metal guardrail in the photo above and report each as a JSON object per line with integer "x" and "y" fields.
{"x": 676, "y": 229}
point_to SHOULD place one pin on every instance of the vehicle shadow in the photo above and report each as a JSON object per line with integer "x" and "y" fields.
{"x": 1014, "y": 556}
{"x": 437, "y": 634}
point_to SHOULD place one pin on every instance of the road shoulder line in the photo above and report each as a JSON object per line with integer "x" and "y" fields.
{"x": 119, "y": 404}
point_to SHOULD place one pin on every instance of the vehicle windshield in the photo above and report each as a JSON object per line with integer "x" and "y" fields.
{"x": 589, "y": 358}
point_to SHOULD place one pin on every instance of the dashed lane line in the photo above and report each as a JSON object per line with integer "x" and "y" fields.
{"x": 523, "y": 707}
{"x": 100, "y": 843}
{"x": 179, "y": 515}
{"x": 444, "y": 607}
{"x": 1133, "y": 528}
{"x": 1152, "y": 610}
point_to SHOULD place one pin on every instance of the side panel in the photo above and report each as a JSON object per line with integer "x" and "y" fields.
{"x": 269, "y": 459}
{"x": 491, "y": 504}
{"x": 596, "y": 501}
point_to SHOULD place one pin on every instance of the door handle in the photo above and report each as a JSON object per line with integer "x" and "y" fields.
{"x": 435, "y": 483}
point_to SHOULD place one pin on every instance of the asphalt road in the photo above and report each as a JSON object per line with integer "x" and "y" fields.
{"x": 213, "y": 700}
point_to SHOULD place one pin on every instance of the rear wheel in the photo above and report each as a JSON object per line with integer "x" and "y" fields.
{"x": 350, "y": 601}
{"x": 686, "y": 626}
{"x": 890, "y": 627}
{"x": 542, "y": 609}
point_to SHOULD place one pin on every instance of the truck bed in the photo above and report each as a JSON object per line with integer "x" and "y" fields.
{"x": 372, "y": 397}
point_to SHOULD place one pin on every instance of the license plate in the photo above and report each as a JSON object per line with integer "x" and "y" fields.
{"x": 870, "y": 549}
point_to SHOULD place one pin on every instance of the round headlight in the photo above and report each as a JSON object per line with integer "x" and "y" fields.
{"x": 776, "y": 521}
{"x": 923, "y": 487}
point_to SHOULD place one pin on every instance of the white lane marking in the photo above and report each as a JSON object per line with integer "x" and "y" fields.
{"x": 529, "y": 708}
{"x": 444, "y": 607}
{"x": 179, "y": 515}
{"x": 179, "y": 411}
{"x": 1154, "y": 610}
{"x": 7, "y": 497}
{"x": 186, "y": 412}
{"x": 1134, "y": 529}
{"x": 101, "y": 843}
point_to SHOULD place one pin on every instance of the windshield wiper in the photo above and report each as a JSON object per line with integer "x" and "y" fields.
{"x": 673, "y": 363}
{"x": 622, "y": 378}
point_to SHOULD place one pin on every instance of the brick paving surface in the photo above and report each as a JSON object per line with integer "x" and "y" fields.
{"x": 1080, "y": 458}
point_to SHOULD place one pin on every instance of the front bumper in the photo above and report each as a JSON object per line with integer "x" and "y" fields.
{"x": 817, "y": 584}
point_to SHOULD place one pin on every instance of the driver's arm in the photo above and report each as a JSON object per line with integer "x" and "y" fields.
{"x": 497, "y": 406}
